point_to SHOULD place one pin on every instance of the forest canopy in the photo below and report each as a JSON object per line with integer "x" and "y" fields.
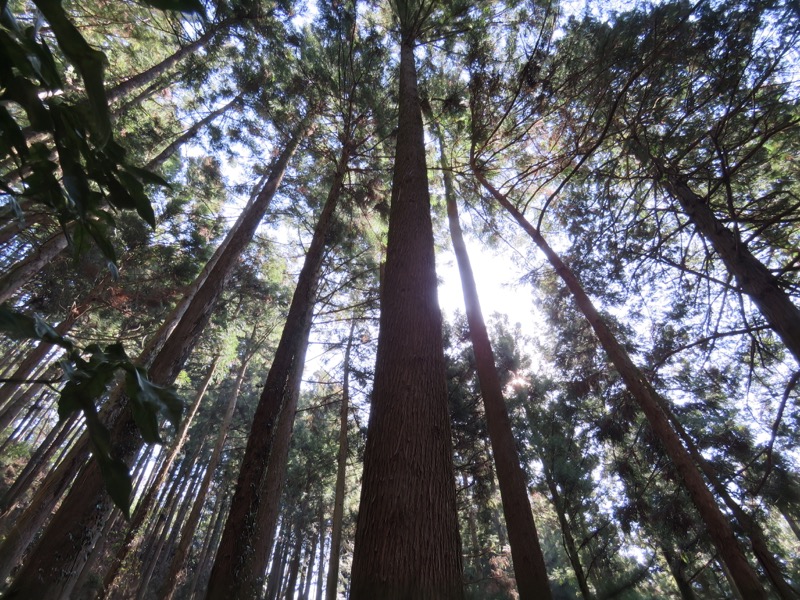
{"x": 225, "y": 372}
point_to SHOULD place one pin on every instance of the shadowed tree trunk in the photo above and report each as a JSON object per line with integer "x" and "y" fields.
{"x": 338, "y": 500}
{"x": 718, "y": 526}
{"x": 247, "y": 539}
{"x": 187, "y": 533}
{"x": 407, "y": 541}
{"x": 47, "y": 573}
{"x": 24, "y": 271}
{"x": 526, "y": 553}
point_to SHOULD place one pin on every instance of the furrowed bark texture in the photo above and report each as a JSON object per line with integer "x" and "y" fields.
{"x": 718, "y": 526}
{"x": 407, "y": 542}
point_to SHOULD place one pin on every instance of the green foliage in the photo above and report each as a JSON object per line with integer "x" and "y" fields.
{"x": 61, "y": 141}
{"x": 88, "y": 372}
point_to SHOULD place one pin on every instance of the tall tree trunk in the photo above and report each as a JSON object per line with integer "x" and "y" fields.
{"x": 294, "y": 565}
{"x": 172, "y": 523}
{"x": 158, "y": 160}
{"x": 211, "y": 539}
{"x": 526, "y": 553}
{"x": 187, "y": 533}
{"x": 278, "y": 564}
{"x": 144, "y": 505}
{"x": 244, "y": 551}
{"x": 321, "y": 563}
{"x": 718, "y": 526}
{"x": 308, "y": 573}
{"x": 141, "y": 79}
{"x": 74, "y": 527}
{"x": 678, "y": 574}
{"x": 407, "y": 541}
{"x": 338, "y": 499}
{"x": 566, "y": 535}
{"x": 754, "y": 278}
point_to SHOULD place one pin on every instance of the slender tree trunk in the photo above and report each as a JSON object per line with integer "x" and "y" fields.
{"x": 148, "y": 500}
{"x": 754, "y": 278}
{"x": 40, "y": 507}
{"x": 407, "y": 541}
{"x": 294, "y": 565}
{"x": 74, "y": 527}
{"x": 718, "y": 526}
{"x": 141, "y": 79}
{"x": 187, "y": 533}
{"x": 308, "y": 573}
{"x": 278, "y": 565}
{"x": 678, "y": 574}
{"x": 187, "y": 135}
{"x": 526, "y": 553}
{"x": 249, "y": 531}
{"x": 24, "y": 271}
{"x": 54, "y": 440}
{"x": 566, "y": 533}
{"x": 212, "y": 538}
{"x": 321, "y": 563}
{"x": 338, "y": 500}
{"x": 181, "y": 503}
{"x": 38, "y": 354}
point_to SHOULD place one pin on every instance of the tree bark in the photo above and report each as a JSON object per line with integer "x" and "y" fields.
{"x": 718, "y": 526}
{"x": 407, "y": 541}
{"x": 246, "y": 541}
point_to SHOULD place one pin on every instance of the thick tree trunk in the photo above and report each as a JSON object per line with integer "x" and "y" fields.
{"x": 529, "y": 569}
{"x": 187, "y": 533}
{"x": 74, "y": 527}
{"x": 718, "y": 526}
{"x": 754, "y": 278}
{"x": 338, "y": 500}
{"x": 244, "y": 551}
{"x": 407, "y": 541}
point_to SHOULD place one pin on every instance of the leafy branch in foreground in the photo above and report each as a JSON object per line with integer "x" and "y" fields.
{"x": 88, "y": 372}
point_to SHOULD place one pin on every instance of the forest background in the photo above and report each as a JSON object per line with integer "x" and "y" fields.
{"x": 218, "y": 231}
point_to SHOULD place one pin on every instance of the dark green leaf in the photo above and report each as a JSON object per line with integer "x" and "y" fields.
{"x": 146, "y": 176}
{"x": 186, "y": 6}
